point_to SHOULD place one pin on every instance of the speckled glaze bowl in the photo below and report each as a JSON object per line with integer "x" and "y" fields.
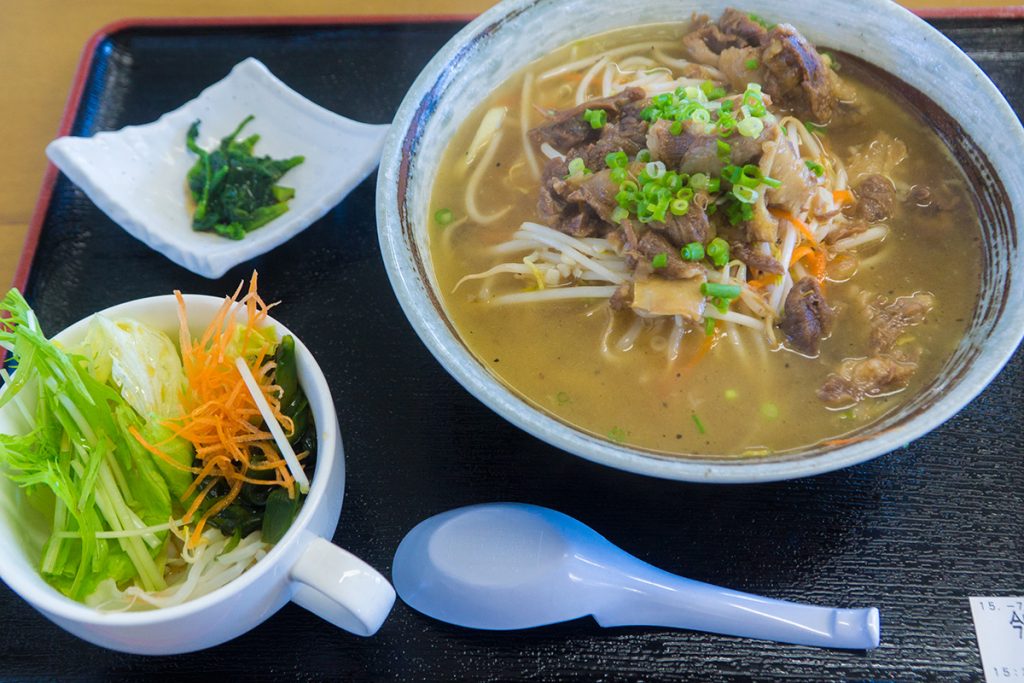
{"x": 515, "y": 32}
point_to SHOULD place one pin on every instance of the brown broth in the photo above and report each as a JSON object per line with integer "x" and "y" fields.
{"x": 733, "y": 401}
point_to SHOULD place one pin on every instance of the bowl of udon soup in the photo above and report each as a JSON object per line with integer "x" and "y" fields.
{"x": 706, "y": 242}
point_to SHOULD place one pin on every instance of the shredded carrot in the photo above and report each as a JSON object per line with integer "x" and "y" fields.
{"x": 842, "y": 196}
{"x": 222, "y": 421}
{"x": 817, "y": 261}
{"x": 855, "y": 439}
{"x": 702, "y": 350}
{"x": 763, "y": 281}
{"x": 815, "y": 258}
{"x": 799, "y": 224}
{"x": 799, "y": 253}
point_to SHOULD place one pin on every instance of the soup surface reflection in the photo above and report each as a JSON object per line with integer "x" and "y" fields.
{"x": 847, "y": 279}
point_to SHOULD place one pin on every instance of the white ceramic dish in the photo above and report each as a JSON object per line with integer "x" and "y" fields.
{"x": 137, "y": 175}
{"x": 515, "y": 32}
{"x": 303, "y": 566}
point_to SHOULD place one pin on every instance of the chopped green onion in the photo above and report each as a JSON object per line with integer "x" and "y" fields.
{"x": 757, "y": 19}
{"x": 709, "y": 326}
{"x": 620, "y": 214}
{"x": 813, "y": 127}
{"x": 562, "y": 398}
{"x": 619, "y": 175}
{"x": 655, "y": 169}
{"x": 617, "y": 160}
{"x": 659, "y": 260}
{"x": 750, "y": 127}
{"x": 731, "y": 394}
{"x": 771, "y": 182}
{"x": 718, "y": 252}
{"x": 714, "y": 185}
{"x": 595, "y": 117}
{"x": 696, "y": 421}
{"x": 770, "y": 410}
{"x": 753, "y": 100}
{"x": 724, "y": 151}
{"x": 815, "y": 168}
{"x": 676, "y": 128}
{"x": 577, "y": 167}
{"x": 617, "y": 434}
{"x": 747, "y": 195}
{"x": 711, "y": 91}
{"x": 751, "y": 64}
{"x": 679, "y": 207}
{"x": 643, "y": 155}
{"x": 444, "y": 216}
{"x": 694, "y": 251}
{"x": 720, "y": 291}
{"x": 699, "y": 181}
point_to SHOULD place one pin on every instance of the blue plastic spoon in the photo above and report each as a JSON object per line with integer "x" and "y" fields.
{"x": 506, "y": 566}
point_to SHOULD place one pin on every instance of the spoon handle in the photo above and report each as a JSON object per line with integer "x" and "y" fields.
{"x": 652, "y": 597}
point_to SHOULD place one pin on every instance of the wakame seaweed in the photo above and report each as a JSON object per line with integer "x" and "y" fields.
{"x": 272, "y": 508}
{"x": 234, "y": 191}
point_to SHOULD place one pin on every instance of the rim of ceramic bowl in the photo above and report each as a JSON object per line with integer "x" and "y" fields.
{"x": 422, "y": 306}
{"x": 50, "y": 600}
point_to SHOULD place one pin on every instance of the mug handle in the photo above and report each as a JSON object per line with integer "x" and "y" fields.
{"x": 340, "y": 588}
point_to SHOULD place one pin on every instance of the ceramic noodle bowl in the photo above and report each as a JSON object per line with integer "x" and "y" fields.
{"x": 950, "y": 92}
{"x": 303, "y": 566}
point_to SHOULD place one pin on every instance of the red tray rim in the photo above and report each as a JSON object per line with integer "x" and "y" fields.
{"x": 88, "y": 54}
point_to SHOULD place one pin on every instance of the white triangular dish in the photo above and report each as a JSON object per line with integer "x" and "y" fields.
{"x": 136, "y": 175}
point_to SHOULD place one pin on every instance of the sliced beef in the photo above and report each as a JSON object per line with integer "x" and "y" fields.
{"x": 889, "y": 366}
{"x": 868, "y": 377}
{"x": 560, "y": 206}
{"x": 628, "y": 135}
{"x": 652, "y": 243}
{"x": 735, "y": 29}
{"x": 890, "y": 319}
{"x": 568, "y": 130}
{"x": 581, "y": 221}
{"x": 844, "y": 230}
{"x": 622, "y": 299}
{"x": 735, "y": 63}
{"x": 682, "y": 230}
{"x": 807, "y": 317}
{"x": 755, "y": 258}
{"x": 796, "y": 76}
{"x": 736, "y": 23}
{"x": 551, "y": 201}
{"x": 876, "y": 197}
{"x": 695, "y": 150}
{"x": 598, "y": 192}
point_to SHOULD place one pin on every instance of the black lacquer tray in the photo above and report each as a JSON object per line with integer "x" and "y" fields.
{"x": 915, "y": 532}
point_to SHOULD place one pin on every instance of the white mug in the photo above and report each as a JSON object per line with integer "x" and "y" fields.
{"x": 304, "y": 566}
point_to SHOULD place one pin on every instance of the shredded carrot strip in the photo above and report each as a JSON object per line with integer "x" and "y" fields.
{"x": 222, "y": 421}
{"x": 763, "y": 281}
{"x": 842, "y": 196}
{"x": 705, "y": 347}
{"x": 799, "y": 224}
{"x": 799, "y": 253}
{"x": 816, "y": 260}
{"x": 855, "y": 439}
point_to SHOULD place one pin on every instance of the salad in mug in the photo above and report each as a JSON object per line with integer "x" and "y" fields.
{"x": 163, "y": 468}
